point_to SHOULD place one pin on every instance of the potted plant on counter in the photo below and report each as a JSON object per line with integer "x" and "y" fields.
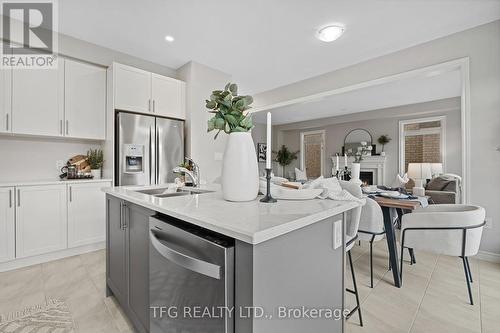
{"x": 95, "y": 158}
{"x": 240, "y": 173}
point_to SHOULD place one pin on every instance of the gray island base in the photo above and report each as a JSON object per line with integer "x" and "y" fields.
{"x": 276, "y": 268}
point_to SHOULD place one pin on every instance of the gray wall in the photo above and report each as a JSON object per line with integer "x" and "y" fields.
{"x": 200, "y": 145}
{"x": 482, "y": 46}
{"x": 378, "y": 122}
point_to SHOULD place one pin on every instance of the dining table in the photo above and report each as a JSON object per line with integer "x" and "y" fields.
{"x": 401, "y": 206}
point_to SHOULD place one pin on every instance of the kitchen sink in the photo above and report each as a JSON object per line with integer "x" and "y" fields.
{"x": 165, "y": 193}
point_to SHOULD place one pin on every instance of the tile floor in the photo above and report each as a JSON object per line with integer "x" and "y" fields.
{"x": 433, "y": 297}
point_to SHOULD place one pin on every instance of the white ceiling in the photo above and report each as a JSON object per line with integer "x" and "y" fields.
{"x": 402, "y": 92}
{"x": 267, "y": 43}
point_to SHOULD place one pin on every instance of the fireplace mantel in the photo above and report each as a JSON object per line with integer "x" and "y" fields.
{"x": 375, "y": 164}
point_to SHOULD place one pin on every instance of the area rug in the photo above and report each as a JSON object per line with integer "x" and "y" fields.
{"x": 53, "y": 316}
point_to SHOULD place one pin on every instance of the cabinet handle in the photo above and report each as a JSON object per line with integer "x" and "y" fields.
{"x": 70, "y": 193}
{"x": 18, "y": 198}
{"x": 149, "y": 105}
{"x": 154, "y": 106}
{"x": 7, "y": 122}
{"x": 67, "y": 126}
{"x": 125, "y": 216}
{"x": 10, "y": 198}
{"x": 61, "y": 126}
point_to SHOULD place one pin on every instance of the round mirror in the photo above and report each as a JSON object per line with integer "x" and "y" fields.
{"x": 354, "y": 138}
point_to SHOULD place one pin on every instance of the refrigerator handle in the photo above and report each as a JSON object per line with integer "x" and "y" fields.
{"x": 150, "y": 157}
{"x": 157, "y": 156}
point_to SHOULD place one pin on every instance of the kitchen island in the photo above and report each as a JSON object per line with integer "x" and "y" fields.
{"x": 258, "y": 267}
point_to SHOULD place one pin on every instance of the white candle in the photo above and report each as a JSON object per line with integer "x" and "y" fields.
{"x": 337, "y": 163}
{"x": 268, "y": 142}
{"x": 345, "y": 159}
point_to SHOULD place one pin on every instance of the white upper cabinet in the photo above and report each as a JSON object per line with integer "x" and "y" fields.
{"x": 86, "y": 226}
{"x": 132, "y": 89}
{"x": 168, "y": 96}
{"x": 7, "y": 224}
{"x": 38, "y": 101}
{"x": 141, "y": 91}
{"x": 5, "y": 101}
{"x": 41, "y": 219}
{"x": 84, "y": 101}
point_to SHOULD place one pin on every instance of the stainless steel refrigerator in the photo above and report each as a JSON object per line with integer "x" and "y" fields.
{"x": 148, "y": 148}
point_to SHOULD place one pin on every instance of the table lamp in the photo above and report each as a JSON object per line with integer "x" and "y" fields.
{"x": 419, "y": 172}
{"x": 436, "y": 169}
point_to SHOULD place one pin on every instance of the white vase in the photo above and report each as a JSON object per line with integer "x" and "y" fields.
{"x": 355, "y": 170}
{"x": 96, "y": 173}
{"x": 240, "y": 172}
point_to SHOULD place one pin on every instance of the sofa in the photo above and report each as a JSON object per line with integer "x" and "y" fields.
{"x": 444, "y": 189}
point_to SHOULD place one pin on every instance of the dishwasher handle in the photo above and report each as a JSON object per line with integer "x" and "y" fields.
{"x": 183, "y": 260}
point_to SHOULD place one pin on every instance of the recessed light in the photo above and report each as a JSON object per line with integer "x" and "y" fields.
{"x": 169, "y": 39}
{"x": 330, "y": 33}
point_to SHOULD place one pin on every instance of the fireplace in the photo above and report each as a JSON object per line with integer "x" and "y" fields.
{"x": 366, "y": 177}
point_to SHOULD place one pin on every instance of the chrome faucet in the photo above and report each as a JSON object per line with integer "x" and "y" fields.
{"x": 194, "y": 175}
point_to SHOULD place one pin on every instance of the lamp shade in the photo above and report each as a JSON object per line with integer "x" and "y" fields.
{"x": 419, "y": 170}
{"x": 436, "y": 168}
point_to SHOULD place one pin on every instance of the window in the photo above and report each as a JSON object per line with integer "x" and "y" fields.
{"x": 421, "y": 141}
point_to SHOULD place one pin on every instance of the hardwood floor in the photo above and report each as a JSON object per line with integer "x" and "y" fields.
{"x": 433, "y": 297}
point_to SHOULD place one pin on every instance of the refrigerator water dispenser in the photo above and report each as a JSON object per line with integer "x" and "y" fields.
{"x": 134, "y": 158}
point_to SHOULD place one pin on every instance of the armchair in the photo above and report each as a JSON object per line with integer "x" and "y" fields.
{"x": 453, "y": 230}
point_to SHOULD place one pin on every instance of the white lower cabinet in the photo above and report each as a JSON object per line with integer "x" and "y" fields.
{"x": 41, "y": 219}
{"x": 86, "y": 213}
{"x": 7, "y": 224}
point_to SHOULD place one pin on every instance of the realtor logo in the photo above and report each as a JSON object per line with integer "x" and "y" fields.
{"x": 28, "y": 31}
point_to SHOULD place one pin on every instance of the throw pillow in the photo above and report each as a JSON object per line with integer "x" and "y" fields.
{"x": 437, "y": 184}
{"x": 300, "y": 175}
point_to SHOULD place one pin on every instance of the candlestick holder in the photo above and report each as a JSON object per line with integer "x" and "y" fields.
{"x": 268, "y": 198}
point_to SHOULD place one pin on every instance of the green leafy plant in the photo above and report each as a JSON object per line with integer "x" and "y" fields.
{"x": 284, "y": 156}
{"x": 95, "y": 157}
{"x": 229, "y": 111}
{"x": 383, "y": 140}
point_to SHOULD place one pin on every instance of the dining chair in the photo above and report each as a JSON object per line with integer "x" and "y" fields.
{"x": 371, "y": 228}
{"x": 352, "y": 227}
{"x": 448, "y": 229}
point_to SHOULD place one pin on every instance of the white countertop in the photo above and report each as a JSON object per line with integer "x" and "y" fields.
{"x": 50, "y": 182}
{"x": 251, "y": 222}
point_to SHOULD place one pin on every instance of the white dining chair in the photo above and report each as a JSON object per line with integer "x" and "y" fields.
{"x": 448, "y": 229}
{"x": 352, "y": 227}
{"x": 371, "y": 227}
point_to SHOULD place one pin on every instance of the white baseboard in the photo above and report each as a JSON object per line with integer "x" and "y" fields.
{"x": 488, "y": 256}
{"x": 24, "y": 262}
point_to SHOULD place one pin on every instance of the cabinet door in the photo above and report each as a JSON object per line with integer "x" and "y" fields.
{"x": 41, "y": 219}
{"x": 7, "y": 231}
{"x": 86, "y": 213}
{"x": 38, "y": 101}
{"x": 138, "y": 263}
{"x": 132, "y": 89}
{"x": 116, "y": 277}
{"x": 84, "y": 100}
{"x": 168, "y": 96}
{"x": 5, "y": 100}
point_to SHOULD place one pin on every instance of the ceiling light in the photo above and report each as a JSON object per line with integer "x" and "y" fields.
{"x": 169, "y": 39}
{"x": 330, "y": 33}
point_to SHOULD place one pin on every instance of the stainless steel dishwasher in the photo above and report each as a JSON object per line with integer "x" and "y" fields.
{"x": 191, "y": 278}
